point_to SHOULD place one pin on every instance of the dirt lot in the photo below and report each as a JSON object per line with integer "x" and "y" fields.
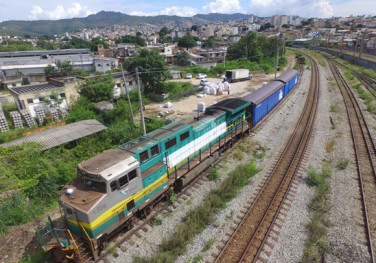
{"x": 187, "y": 107}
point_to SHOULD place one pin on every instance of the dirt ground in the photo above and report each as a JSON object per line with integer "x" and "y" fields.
{"x": 187, "y": 107}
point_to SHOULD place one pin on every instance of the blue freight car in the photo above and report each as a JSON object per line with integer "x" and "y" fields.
{"x": 267, "y": 97}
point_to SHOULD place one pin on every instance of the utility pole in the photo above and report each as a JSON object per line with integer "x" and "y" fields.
{"x": 140, "y": 101}
{"x": 276, "y": 62}
{"x": 126, "y": 92}
{"x": 361, "y": 44}
{"x": 356, "y": 45}
{"x": 340, "y": 45}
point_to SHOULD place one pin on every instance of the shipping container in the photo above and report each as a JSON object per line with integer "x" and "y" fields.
{"x": 290, "y": 78}
{"x": 237, "y": 75}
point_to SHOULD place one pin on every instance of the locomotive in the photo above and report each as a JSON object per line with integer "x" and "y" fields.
{"x": 114, "y": 187}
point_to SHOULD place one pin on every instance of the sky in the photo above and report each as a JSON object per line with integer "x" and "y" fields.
{"x": 53, "y": 9}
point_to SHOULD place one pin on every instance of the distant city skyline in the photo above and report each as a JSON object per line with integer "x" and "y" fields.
{"x": 42, "y": 9}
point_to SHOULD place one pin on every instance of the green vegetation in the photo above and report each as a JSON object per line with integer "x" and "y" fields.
{"x": 152, "y": 67}
{"x": 330, "y": 146}
{"x": 333, "y": 108}
{"x": 132, "y": 39}
{"x": 214, "y": 175}
{"x": 197, "y": 258}
{"x": 10, "y": 46}
{"x": 343, "y": 163}
{"x": 99, "y": 88}
{"x": 197, "y": 219}
{"x": 208, "y": 244}
{"x": 187, "y": 41}
{"x": 38, "y": 256}
{"x": 176, "y": 88}
{"x": 317, "y": 244}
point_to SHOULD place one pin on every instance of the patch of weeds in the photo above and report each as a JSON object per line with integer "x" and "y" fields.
{"x": 317, "y": 245}
{"x": 231, "y": 215}
{"x": 213, "y": 175}
{"x": 330, "y": 146}
{"x": 333, "y": 108}
{"x": 157, "y": 219}
{"x": 304, "y": 93}
{"x": 197, "y": 258}
{"x": 342, "y": 164}
{"x": 170, "y": 214}
{"x": 238, "y": 155}
{"x": 189, "y": 202}
{"x": 38, "y": 256}
{"x": 208, "y": 244}
{"x": 260, "y": 154}
{"x": 111, "y": 249}
{"x": 374, "y": 127}
{"x": 242, "y": 147}
{"x": 172, "y": 198}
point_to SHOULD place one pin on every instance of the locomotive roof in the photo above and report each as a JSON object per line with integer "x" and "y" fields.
{"x": 103, "y": 161}
{"x": 153, "y": 137}
{"x": 264, "y": 92}
{"x": 287, "y": 76}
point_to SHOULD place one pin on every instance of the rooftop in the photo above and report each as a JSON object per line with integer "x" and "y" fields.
{"x": 57, "y": 136}
{"x": 34, "y": 88}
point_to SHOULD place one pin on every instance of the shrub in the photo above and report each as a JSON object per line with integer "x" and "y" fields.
{"x": 213, "y": 175}
{"x": 314, "y": 178}
{"x": 343, "y": 163}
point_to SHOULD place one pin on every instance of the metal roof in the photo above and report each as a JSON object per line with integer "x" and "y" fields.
{"x": 44, "y": 52}
{"x": 56, "y": 136}
{"x": 34, "y": 88}
{"x": 287, "y": 76}
{"x": 264, "y": 92}
{"x": 233, "y": 105}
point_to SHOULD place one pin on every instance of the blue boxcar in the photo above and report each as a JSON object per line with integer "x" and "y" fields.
{"x": 267, "y": 97}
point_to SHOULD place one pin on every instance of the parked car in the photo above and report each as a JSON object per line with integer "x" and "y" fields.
{"x": 200, "y": 76}
{"x": 189, "y": 76}
{"x": 204, "y": 82}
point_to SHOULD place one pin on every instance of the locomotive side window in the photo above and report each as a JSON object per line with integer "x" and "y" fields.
{"x": 132, "y": 175}
{"x": 154, "y": 150}
{"x": 144, "y": 156}
{"x": 69, "y": 211}
{"x": 170, "y": 143}
{"x": 113, "y": 186}
{"x": 184, "y": 136}
{"x": 130, "y": 205}
{"x": 123, "y": 181}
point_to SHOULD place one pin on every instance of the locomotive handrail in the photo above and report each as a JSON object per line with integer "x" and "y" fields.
{"x": 91, "y": 241}
{"x": 74, "y": 242}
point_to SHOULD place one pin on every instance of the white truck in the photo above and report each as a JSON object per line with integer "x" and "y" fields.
{"x": 235, "y": 75}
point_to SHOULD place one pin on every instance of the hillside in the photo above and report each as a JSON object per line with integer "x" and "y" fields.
{"x": 103, "y": 19}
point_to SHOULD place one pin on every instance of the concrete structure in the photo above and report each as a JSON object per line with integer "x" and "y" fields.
{"x": 31, "y": 96}
{"x": 27, "y": 62}
{"x": 104, "y": 64}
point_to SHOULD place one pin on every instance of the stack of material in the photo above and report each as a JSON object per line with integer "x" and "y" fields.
{"x": 3, "y": 122}
{"x": 27, "y": 116}
{"x": 201, "y": 106}
{"x": 220, "y": 86}
{"x": 40, "y": 114}
{"x": 63, "y": 113}
{"x": 16, "y": 119}
{"x": 55, "y": 114}
{"x": 226, "y": 86}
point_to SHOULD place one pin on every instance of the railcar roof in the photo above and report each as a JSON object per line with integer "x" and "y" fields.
{"x": 287, "y": 76}
{"x": 233, "y": 105}
{"x": 264, "y": 92}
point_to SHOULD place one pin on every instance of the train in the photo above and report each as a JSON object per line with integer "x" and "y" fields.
{"x": 119, "y": 185}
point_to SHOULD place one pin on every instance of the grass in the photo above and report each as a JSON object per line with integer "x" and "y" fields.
{"x": 214, "y": 175}
{"x": 316, "y": 244}
{"x": 157, "y": 219}
{"x": 38, "y": 256}
{"x": 343, "y": 163}
{"x": 111, "y": 248}
{"x": 208, "y": 244}
{"x": 238, "y": 155}
{"x": 333, "y": 108}
{"x": 197, "y": 258}
{"x": 200, "y": 217}
{"x": 172, "y": 198}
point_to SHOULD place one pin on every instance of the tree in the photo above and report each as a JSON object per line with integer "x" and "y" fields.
{"x": 285, "y": 26}
{"x": 187, "y": 41}
{"x": 209, "y": 43}
{"x": 194, "y": 27}
{"x": 183, "y": 59}
{"x": 164, "y": 31}
{"x": 99, "y": 88}
{"x": 64, "y": 67}
{"x": 153, "y": 68}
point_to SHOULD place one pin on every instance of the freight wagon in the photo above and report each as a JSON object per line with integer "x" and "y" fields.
{"x": 118, "y": 185}
{"x": 236, "y": 75}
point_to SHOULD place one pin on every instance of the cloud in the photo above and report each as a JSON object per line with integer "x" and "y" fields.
{"x": 76, "y": 10}
{"x": 358, "y": 7}
{"x": 170, "y": 11}
{"x": 224, "y": 6}
{"x": 313, "y": 8}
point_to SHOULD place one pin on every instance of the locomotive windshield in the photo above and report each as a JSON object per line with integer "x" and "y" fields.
{"x": 91, "y": 181}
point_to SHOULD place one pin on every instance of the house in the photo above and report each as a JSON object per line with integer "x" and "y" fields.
{"x": 104, "y": 64}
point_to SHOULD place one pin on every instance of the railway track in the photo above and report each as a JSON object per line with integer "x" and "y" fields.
{"x": 368, "y": 83}
{"x": 365, "y": 155}
{"x": 247, "y": 240}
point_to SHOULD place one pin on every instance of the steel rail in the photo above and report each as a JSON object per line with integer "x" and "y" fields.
{"x": 363, "y": 145}
{"x": 286, "y": 158}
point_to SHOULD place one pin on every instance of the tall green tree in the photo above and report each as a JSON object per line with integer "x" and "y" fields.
{"x": 99, "y": 88}
{"x": 183, "y": 59}
{"x": 152, "y": 67}
{"x": 187, "y": 41}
